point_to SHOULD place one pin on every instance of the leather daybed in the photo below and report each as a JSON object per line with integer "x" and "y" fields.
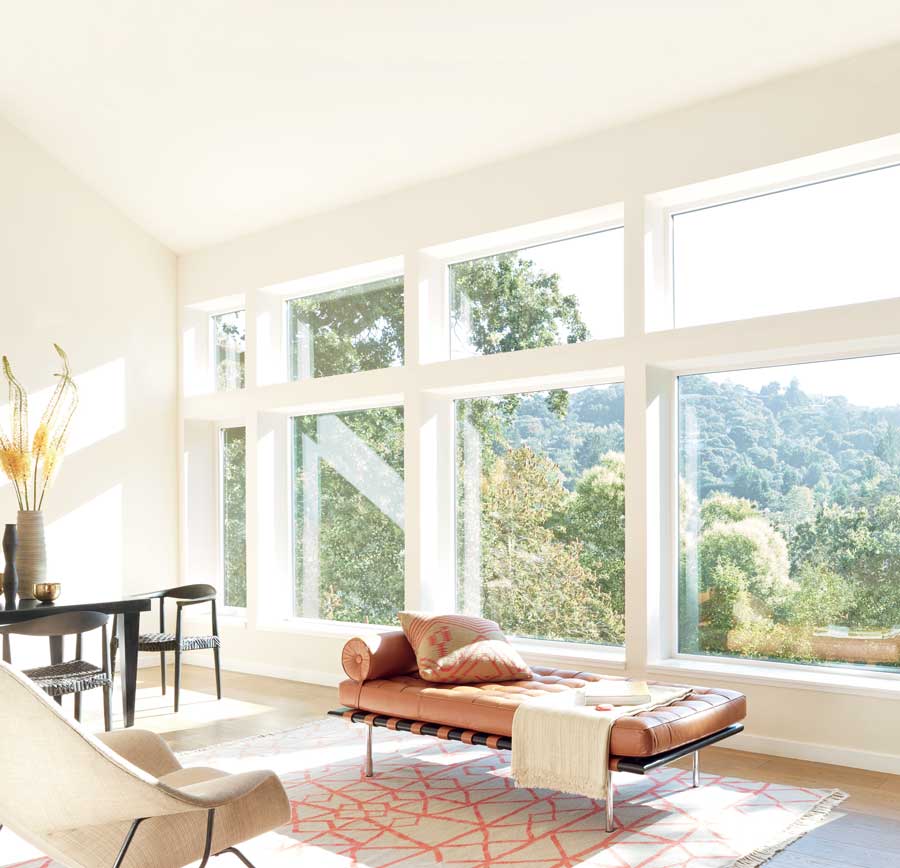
{"x": 383, "y": 689}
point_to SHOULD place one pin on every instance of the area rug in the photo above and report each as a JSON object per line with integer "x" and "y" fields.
{"x": 436, "y": 803}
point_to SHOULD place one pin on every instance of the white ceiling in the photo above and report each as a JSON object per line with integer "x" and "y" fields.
{"x": 208, "y": 119}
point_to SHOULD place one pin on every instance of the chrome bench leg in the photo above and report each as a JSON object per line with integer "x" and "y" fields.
{"x": 695, "y": 779}
{"x": 369, "y": 730}
{"x": 610, "y": 803}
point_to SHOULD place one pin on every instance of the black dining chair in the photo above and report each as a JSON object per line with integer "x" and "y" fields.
{"x": 161, "y": 642}
{"x": 61, "y": 678}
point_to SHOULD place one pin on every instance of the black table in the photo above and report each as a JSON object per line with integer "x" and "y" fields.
{"x": 128, "y": 620}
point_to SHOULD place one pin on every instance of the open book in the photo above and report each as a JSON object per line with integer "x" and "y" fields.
{"x": 614, "y": 693}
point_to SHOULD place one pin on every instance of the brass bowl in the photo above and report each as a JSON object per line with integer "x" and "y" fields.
{"x": 47, "y": 592}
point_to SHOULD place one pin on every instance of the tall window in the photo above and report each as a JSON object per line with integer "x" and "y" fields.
{"x": 358, "y": 328}
{"x": 790, "y": 513}
{"x": 348, "y": 515}
{"x": 234, "y": 525}
{"x": 541, "y": 512}
{"x": 557, "y": 293}
{"x": 814, "y": 246}
{"x": 229, "y": 343}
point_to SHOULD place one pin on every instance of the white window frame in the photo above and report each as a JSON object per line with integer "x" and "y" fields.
{"x": 651, "y": 353}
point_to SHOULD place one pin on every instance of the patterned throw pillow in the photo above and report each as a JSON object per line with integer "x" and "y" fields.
{"x": 458, "y": 649}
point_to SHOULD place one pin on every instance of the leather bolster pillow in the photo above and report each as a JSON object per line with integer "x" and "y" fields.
{"x": 381, "y": 656}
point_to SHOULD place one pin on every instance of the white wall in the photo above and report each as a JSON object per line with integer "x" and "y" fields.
{"x": 819, "y": 110}
{"x": 75, "y": 271}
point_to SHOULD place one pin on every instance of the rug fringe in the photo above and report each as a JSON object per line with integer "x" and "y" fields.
{"x": 814, "y": 817}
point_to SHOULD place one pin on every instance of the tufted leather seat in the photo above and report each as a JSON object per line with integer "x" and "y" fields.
{"x": 490, "y": 707}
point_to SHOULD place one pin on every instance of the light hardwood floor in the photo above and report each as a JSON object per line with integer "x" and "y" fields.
{"x": 864, "y": 832}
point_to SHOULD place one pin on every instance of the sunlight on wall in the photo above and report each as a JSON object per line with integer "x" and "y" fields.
{"x": 101, "y": 407}
{"x": 84, "y": 547}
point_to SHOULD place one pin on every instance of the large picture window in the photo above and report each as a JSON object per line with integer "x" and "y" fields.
{"x": 348, "y": 515}
{"x": 562, "y": 292}
{"x": 790, "y": 513}
{"x": 808, "y": 247}
{"x": 358, "y": 328}
{"x": 234, "y": 524}
{"x": 541, "y": 512}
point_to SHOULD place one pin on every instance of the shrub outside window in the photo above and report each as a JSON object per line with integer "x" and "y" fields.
{"x": 790, "y": 513}
{"x": 234, "y": 525}
{"x": 540, "y": 493}
{"x": 358, "y": 328}
{"x": 562, "y": 292}
{"x": 230, "y": 341}
{"x": 348, "y": 515}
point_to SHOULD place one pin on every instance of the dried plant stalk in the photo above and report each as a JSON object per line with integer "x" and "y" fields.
{"x": 31, "y": 465}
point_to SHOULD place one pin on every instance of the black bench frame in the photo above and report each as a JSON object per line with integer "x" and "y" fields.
{"x": 634, "y": 765}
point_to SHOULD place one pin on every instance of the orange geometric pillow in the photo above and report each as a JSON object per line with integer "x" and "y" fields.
{"x": 458, "y": 649}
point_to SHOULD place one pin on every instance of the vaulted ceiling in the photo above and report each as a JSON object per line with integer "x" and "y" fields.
{"x": 208, "y": 119}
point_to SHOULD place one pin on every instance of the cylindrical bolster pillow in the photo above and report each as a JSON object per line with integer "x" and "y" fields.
{"x": 380, "y": 656}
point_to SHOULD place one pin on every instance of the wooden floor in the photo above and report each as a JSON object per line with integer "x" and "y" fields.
{"x": 864, "y": 832}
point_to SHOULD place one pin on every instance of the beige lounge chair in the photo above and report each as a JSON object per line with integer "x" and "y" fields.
{"x": 122, "y": 799}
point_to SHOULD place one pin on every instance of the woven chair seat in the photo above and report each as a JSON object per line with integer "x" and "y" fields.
{"x": 61, "y": 679}
{"x": 166, "y": 642}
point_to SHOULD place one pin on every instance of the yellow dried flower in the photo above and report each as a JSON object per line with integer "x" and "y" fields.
{"x": 53, "y": 459}
{"x": 16, "y": 464}
{"x": 39, "y": 445}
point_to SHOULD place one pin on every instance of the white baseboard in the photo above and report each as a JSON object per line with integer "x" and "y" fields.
{"x": 286, "y": 673}
{"x": 758, "y": 744}
{"x": 819, "y": 753}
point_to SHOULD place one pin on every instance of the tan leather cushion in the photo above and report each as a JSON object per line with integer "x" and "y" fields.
{"x": 462, "y": 649}
{"x": 380, "y": 656}
{"x": 490, "y": 708}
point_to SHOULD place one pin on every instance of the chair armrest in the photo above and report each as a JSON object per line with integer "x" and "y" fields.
{"x": 182, "y": 603}
{"x": 141, "y": 748}
{"x": 217, "y": 792}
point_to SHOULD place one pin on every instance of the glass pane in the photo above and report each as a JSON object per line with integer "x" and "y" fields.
{"x": 540, "y": 494}
{"x": 348, "y": 515}
{"x": 359, "y": 328}
{"x": 790, "y": 513}
{"x": 230, "y": 337}
{"x": 816, "y": 246}
{"x": 559, "y": 293}
{"x": 234, "y": 493}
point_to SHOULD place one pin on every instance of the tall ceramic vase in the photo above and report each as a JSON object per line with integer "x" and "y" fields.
{"x": 31, "y": 555}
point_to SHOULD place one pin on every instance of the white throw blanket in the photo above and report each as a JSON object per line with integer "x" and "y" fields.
{"x": 561, "y": 746}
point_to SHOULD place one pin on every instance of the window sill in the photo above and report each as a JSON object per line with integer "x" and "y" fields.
{"x": 560, "y": 655}
{"x": 781, "y": 675}
{"x": 311, "y": 627}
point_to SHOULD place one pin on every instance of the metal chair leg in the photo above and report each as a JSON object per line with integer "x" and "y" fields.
{"x": 695, "y": 776}
{"x": 610, "y": 803}
{"x": 162, "y": 671}
{"x": 236, "y": 852}
{"x": 369, "y": 730}
{"x": 210, "y": 820}
{"x": 78, "y": 705}
{"x": 127, "y": 842}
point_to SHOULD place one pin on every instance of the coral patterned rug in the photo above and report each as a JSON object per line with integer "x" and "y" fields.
{"x": 443, "y": 803}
